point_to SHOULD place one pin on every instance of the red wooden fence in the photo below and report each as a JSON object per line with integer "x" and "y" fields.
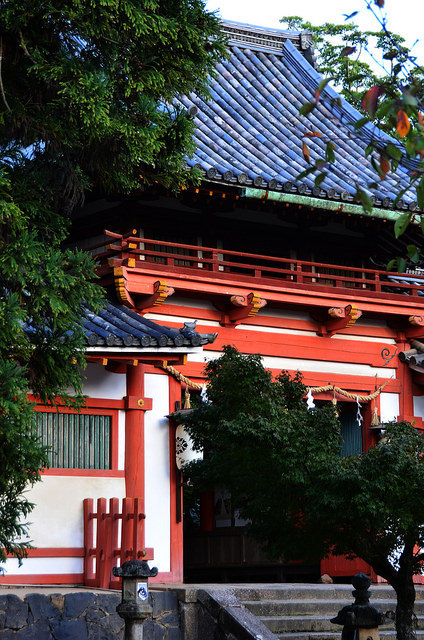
{"x": 112, "y": 535}
{"x": 221, "y": 264}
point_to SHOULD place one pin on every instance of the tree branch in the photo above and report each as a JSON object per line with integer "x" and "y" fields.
{"x": 3, "y": 95}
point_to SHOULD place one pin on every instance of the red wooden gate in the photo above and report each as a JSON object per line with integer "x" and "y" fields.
{"x": 112, "y": 535}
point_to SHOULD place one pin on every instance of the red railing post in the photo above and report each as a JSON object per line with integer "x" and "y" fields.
{"x": 127, "y": 529}
{"x": 101, "y": 539}
{"x": 89, "y": 571}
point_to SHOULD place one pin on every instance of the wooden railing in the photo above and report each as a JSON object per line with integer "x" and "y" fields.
{"x": 112, "y": 535}
{"x": 223, "y": 264}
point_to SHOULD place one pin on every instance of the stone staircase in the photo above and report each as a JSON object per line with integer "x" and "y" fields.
{"x": 303, "y": 612}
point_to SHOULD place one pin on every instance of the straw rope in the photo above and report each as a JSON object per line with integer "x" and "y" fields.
{"x": 179, "y": 376}
{"x": 329, "y": 387}
{"x": 347, "y": 394}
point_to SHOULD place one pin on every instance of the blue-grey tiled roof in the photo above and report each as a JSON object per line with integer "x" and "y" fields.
{"x": 251, "y": 132}
{"x": 116, "y": 325}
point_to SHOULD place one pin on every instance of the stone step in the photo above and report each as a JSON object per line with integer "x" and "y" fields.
{"x": 340, "y": 592}
{"x": 312, "y": 607}
{"x": 283, "y": 624}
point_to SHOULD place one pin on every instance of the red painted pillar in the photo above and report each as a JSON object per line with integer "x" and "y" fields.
{"x": 406, "y": 401}
{"x": 134, "y": 433}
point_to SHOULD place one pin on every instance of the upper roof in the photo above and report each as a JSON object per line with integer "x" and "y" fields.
{"x": 118, "y": 326}
{"x": 251, "y": 134}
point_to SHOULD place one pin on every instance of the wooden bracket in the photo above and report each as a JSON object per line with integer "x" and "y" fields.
{"x": 121, "y": 287}
{"x": 247, "y": 306}
{"x": 340, "y": 318}
{"x": 161, "y": 291}
{"x": 415, "y": 328}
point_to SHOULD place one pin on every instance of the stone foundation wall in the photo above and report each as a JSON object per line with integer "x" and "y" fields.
{"x": 82, "y": 616}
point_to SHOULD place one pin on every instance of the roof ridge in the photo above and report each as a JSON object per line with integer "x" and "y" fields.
{"x": 268, "y": 39}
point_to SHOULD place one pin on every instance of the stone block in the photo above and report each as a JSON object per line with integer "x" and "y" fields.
{"x": 40, "y": 630}
{"x": 108, "y": 602}
{"x": 7, "y": 634}
{"x": 41, "y": 607}
{"x": 16, "y": 612}
{"x": 70, "y": 630}
{"x": 58, "y": 601}
{"x": 77, "y": 603}
{"x": 163, "y": 601}
{"x": 188, "y": 621}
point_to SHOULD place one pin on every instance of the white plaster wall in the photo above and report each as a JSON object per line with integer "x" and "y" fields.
{"x": 298, "y": 364}
{"x": 157, "y": 471}
{"x": 419, "y": 406}
{"x": 57, "y": 519}
{"x": 389, "y": 406}
{"x": 34, "y": 566}
{"x": 101, "y": 383}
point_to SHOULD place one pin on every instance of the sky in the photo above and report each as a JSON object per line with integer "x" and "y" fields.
{"x": 405, "y": 17}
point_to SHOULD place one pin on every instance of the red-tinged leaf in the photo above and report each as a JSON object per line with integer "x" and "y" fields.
{"x": 370, "y": 99}
{"x": 420, "y": 118}
{"x": 384, "y": 166}
{"x": 305, "y": 152}
{"x": 402, "y": 125}
{"x": 379, "y": 3}
{"x": 347, "y": 51}
{"x": 311, "y": 134}
{"x": 391, "y": 55}
{"x": 317, "y": 95}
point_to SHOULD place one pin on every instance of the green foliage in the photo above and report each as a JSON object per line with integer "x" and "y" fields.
{"x": 89, "y": 85}
{"x": 86, "y": 103}
{"x": 282, "y": 464}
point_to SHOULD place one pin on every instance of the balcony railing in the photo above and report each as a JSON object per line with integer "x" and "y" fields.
{"x": 223, "y": 265}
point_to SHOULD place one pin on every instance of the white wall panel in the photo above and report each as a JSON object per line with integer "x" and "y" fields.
{"x": 157, "y": 470}
{"x": 298, "y": 364}
{"x": 419, "y": 406}
{"x": 102, "y": 383}
{"x": 57, "y": 519}
{"x": 389, "y": 406}
{"x": 34, "y": 566}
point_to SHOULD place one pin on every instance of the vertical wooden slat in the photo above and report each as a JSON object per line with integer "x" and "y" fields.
{"x": 101, "y": 540}
{"x": 116, "y": 516}
{"x": 89, "y": 572}
{"x": 127, "y": 530}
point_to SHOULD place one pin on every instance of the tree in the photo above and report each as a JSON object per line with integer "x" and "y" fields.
{"x": 86, "y": 103}
{"x": 282, "y": 464}
{"x": 392, "y": 98}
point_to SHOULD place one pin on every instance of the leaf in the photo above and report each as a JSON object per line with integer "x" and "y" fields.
{"x": 305, "y": 152}
{"x": 311, "y": 134}
{"x": 384, "y": 165}
{"x": 347, "y": 51}
{"x": 307, "y": 108}
{"x": 348, "y": 16}
{"x": 413, "y": 253}
{"x": 402, "y": 124}
{"x": 320, "y": 178}
{"x": 420, "y": 194}
{"x": 360, "y": 123}
{"x": 370, "y": 99}
{"x": 393, "y": 151}
{"x": 390, "y": 55}
{"x": 323, "y": 84}
{"x": 420, "y": 118}
{"x": 329, "y": 152}
{"x": 402, "y": 223}
{"x": 379, "y": 3}
{"x": 364, "y": 199}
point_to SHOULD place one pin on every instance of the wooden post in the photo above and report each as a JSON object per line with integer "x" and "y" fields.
{"x": 134, "y": 435}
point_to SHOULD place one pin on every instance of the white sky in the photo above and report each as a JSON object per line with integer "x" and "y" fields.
{"x": 405, "y": 17}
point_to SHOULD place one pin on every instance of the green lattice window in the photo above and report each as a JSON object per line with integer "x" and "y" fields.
{"x": 76, "y": 440}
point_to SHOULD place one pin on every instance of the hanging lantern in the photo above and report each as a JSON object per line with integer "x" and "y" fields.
{"x": 184, "y": 450}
